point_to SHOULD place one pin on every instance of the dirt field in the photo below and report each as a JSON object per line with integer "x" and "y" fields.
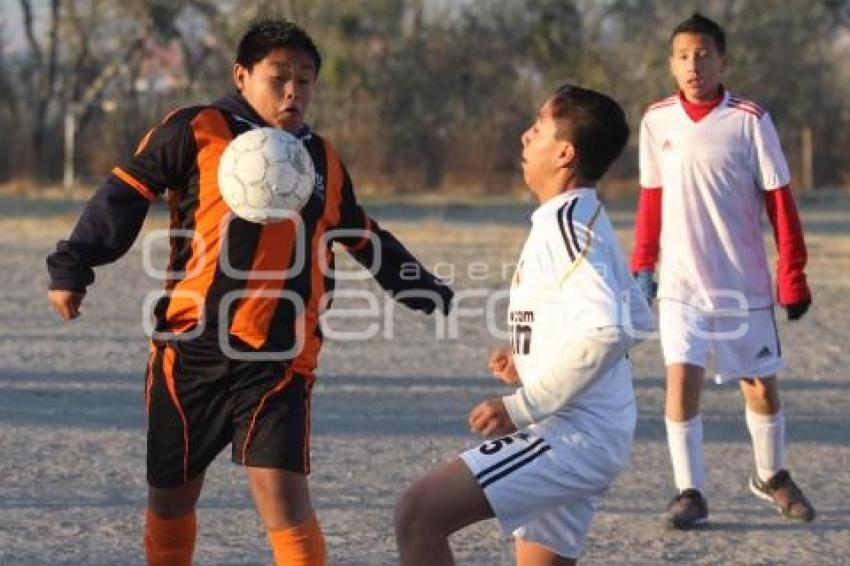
{"x": 386, "y": 409}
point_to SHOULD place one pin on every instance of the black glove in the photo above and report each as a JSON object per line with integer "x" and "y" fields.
{"x": 797, "y": 310}
{"x": 425, "y": 300}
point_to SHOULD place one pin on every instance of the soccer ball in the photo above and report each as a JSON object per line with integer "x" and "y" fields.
{"x": 266, "y": 175}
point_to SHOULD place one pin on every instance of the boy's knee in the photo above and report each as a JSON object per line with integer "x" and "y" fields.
{"x": 761, "y": 393}
{"x": 412, "y": 515}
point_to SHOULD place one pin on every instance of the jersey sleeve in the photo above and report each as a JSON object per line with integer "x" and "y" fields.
{"x": 768, "y": 161}
{"x": 647, "y": 231}
{"x": 113, "y": 217}
{"x": 164, "y": 158}
{"x": 568, "y": 376}
{"x": 650, "y": 172}
{"x": 392, "y": 265}
{"x": 791, "y": 284}
{"x": 107, "y": 227}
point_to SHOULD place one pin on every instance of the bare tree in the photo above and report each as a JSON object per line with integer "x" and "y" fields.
{"x": 44, "y": 80}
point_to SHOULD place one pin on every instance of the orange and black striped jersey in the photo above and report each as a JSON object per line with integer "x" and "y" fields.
{"x": 261, "y": 287}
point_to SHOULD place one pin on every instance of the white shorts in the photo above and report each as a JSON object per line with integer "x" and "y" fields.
{"x": 742, "y": 343}
{"x": 545, "y": 490}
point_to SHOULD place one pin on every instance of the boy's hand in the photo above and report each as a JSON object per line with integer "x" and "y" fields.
{"x": 797, "y": 310}
{"x": 66, "y": 303}
{"x": 501, "y": 365}
{"x": 491, "y": 418}
{"x": 647, "y": 284}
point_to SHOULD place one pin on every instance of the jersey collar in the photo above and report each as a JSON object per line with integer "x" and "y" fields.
{"x": 696, "y": 111}
{"x": 236, "y": 105}
{"x": 553, "y": 204}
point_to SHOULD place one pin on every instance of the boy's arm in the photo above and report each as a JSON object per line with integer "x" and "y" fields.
{"x": 106, "y": 229}
{"x": 392, "y": 265}
{"x": 642, "y": 322}
{"x": 571, "y": 372}
{"x": 792, "y": 290}
{"x": 773, "y": 177}
{"x": 647, "y": 230}
{"x": 648, "y": 219}
{"x": 113, "y": 217}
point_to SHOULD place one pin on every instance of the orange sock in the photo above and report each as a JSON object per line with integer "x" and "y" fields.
{"x": 301, "y": 545}
{"x": 170, "y": 542}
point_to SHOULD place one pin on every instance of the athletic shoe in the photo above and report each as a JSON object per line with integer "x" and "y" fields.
{"x": 784, "y": 495}
{"x": 687, "y": 510}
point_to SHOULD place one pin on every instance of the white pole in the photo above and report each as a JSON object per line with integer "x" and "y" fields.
{"x": 68, "y": 179}
{"x": 807, "y": 148}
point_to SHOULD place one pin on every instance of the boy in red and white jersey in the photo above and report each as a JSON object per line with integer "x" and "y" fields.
{"x": 710, "y": 160}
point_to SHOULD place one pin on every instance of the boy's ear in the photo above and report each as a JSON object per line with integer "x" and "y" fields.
{"x": 239, "y": 73}
{"x": 567, "y": 156}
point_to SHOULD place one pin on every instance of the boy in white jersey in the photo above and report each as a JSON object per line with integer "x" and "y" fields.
{"x": 718, "y": 159}
{"x": 566, "y": 433}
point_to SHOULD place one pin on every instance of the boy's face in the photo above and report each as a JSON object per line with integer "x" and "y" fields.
{"x": 279, "y": 87}
{"x": 543, "y": 155}
{"x": 696, "y": 64}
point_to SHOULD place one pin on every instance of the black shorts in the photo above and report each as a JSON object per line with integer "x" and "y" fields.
{"x": 198, "y": 401}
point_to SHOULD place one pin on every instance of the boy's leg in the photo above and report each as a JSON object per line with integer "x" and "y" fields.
{"x": 570, "y": 521}
{"x": 187, "y": 427}
{"x": 170, "y": 523}
{"x": 684, "y": 425}
{"x": 444, "y": 501}
{"x": 685, "y": 334}
{"x": 282, "y": 499}
{"x": 766, "y": 424}
{"x": 533, "y": 554}
{"x": 684, "y": 440}
{"x": 758, "y": 353}
{"x": 540, "y": 494}
{"x": 271, "y": 407}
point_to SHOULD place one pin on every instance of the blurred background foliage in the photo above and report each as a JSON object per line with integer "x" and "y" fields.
{"x": 419, "y": 95}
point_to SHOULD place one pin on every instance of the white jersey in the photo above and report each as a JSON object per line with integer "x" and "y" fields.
{"x": 713, "y": 173}
{"x": 571, "y": 283}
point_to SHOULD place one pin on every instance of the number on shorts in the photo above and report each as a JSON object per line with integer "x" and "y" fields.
{"x": 494, "y": 446}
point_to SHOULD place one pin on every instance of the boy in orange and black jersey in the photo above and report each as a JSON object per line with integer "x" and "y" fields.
{"x": 237, "y": 329}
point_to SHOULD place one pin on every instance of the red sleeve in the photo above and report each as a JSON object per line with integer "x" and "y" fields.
{"x": 647, "y": 230}
{"x": 788, "y": 233}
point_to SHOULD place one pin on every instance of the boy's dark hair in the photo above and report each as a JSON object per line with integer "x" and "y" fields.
{"x": 698, "y": 23}
{"x": 265, "y": 35}
{"x": 594, "y": 123}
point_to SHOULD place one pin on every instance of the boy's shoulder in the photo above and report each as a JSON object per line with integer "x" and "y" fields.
{"x": 667, "y": 103}
{"x": 661, "y": 111}
{"x": 739, "y": 102}
{"x": 574, "y": 212}
{"x": 184, "y": 123}
{"x": 183, "y": 115}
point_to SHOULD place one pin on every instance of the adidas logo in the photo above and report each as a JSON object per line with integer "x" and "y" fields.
{"x": 666, "y": 146}
{"x": 764, "y": 353}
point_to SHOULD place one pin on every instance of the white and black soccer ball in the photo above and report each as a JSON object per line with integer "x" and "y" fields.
{"x": 266, "y": 175}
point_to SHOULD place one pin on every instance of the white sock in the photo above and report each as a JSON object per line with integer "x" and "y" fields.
{"x": 684, "y": 439}
{"x": 768, "y": 434}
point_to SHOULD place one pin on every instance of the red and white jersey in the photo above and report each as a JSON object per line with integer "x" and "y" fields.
{"x": 713, "y": 172}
